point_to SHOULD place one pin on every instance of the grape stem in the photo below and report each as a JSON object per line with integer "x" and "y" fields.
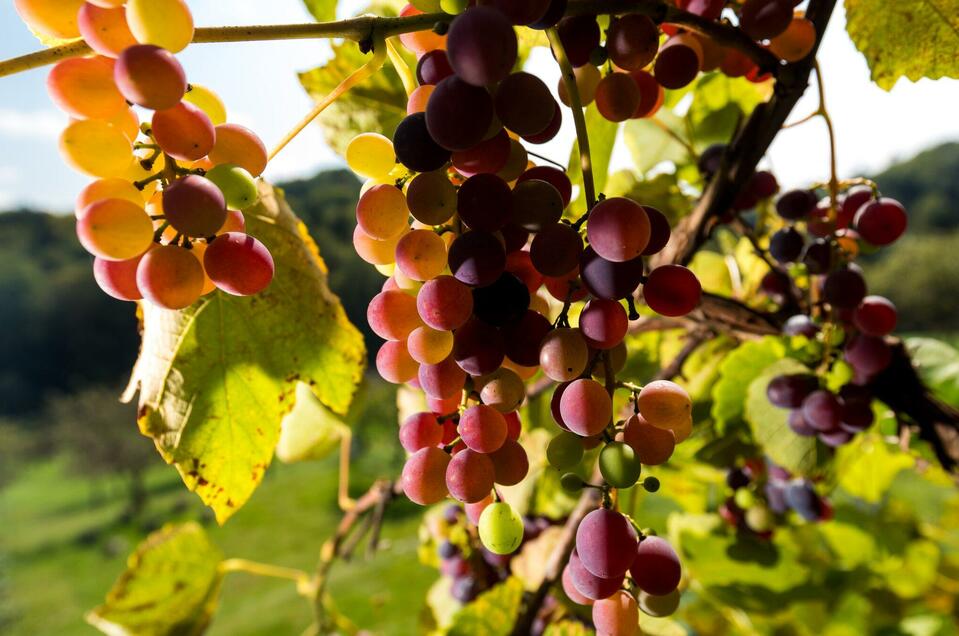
{"x": 402, "y": 68}
{"x": 546, "y": 159}
{"x": 831, "y": 131}
{"x": 301, "y": 578}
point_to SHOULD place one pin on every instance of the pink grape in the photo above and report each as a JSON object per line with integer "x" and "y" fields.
{"x": 194, "y": 206}
{"x": 656, "y": 569}
{"x": 586, "y": 407}
{"x": 184, "y": 132}
{"x": 392, "y": 315}
{"x": 876, "y": 316}
{"x": 150, "y": 77}
{"x": 170, "y": 277}
{"x": 239, "y": 264}
{"x": 118, "y": 278}
{"x": 606, "y": 543}
{"x": 618, "y": 229}
{"x": 588, "y": 584}
{"x": 617, "y": 615}
{"x": 510, "y": 463}
{"x": 424, "y": 476}
{"x": 443, "y": 380}
{"x": 469, "y": 476}
{"x": 603, "y": 323}
{"x": 482, "y": 428}
{"x": 444, "y": 303}
{"x": 420, "y": 430}
{"x": 394, "y": 364}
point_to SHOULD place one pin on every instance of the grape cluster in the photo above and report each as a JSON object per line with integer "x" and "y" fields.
{"x": 162, "y": 218}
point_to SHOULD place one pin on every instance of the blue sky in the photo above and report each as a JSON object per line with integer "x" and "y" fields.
{"x": 257, "y": 81}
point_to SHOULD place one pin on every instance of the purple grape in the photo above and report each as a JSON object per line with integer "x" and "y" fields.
{"x": 822, "y": 411}
{"x": 458, "y": 114}
{"x": 481, "y": 45}
{"x": 789, "y": 391}
{"x": 797, "y": 422}
{"x": 503, "y": 303}
{"x": 786, "y": 245}
{"x": 800, "y": 325}
{"x": 845, "y": 288}
{"x": 796, "y": 204}
{"x": 834, "y": 439}
{"x": 776, "y": 497}
{"x": 818, "y": 257}
{"x": 478, "y": 348}
{"x": 802, "y": 497}
{"x": 477, "y": 258}
{"x": 415, "y": 148}
{"x": 867, "y": 355}
{"x": 605, "y": 279}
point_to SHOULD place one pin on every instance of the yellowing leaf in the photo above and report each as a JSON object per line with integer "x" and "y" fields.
{"x": 310, "y": 430}
{"x": 170, "y": 586}
{"x": 867, "y": 467}
{"x": 530, "y": 564}
{"x": 906, "y": 38}
{"x": 216, "y": 379}
{"x": 492, "y": 613}
{"x": 322, "y": 10}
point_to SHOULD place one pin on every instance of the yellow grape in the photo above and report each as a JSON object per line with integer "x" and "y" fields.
{"x": 239, "y": 145}
{"x": 170, "y": 277}
{"x": 429, "y": 346}
{"x": 105, "y": 29}
{"x": 421, "y": 255}
{"x": 96, "y": 148}
{"x": 107, "y": 189}
{"x": 199, "y": 249}
{"x": 52, "y": 18}
{"x": 207, "y": 101}
{"x": 373, "y": 251}
{"x": 83, "y": 87}
{"x": 115, "y": 229}
{"x": 382, "y": 212}
{"x": 107, "y": 4}
{"x": 405, "y": 283}
{"x": 371, "y": 155}
{"x": 165, "y": 23}
{"x": 127, "y": 121}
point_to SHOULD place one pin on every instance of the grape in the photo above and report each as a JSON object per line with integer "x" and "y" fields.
{"x": 429, "y": 346}
{"x": 443, "y": 380}
{"x": 876, "y": 316}
{"x": 570, "y": 589}
{"x": 393, "y": 362}
{"x": 166, "y": 23}
{"x": 786, "y": 245}
{"x": 619, "y": 465}
{"x": 796, "y": 42}
{"x": 632, "y": 41}
{"x": 458, "y": 117}
{"x": 571, "y": 482}
{"x": 563, "y": 355}
{"x": 420, "y": 42}
{"x": 421, "y": 255}
{"x": 469, "y": 476}
{"x": 516, "y": 163}
{"x": 444, "y": 303}
{"x": 107, "y": 189}
{"x": 710, "y": 9}
{"x": 184, "y": 132}
{"x": 482, "y": 428}
{"x": 818, "y": 257}
{"x": 424, "y": 476}
{"x": 488, "y": 156}
{"x": 536, "y": 204}
{"x": 83, "y": 87}
{"x": 585, "y": 582}
{"x": 855, "y": 198}
{"x": 834, "y": 439}
{"x": 618, "y": 229}
{"x": 503, "y": 390}
{"x": 651, "y": 95}
{"x": 881, "y": 222}
{"x": 519, "y": 13}
{"x": 653, "y": 445}
{"x": 617, "y": 615}
{"x": 554, "y": 13}
{"x": 586, "y": 407}
{"x": 170, "y": 277}
{"x": 579, "y": 36}
{"x": 710, "y": 161}
{"x": 482, "y": 46}
{"x": 867, "y": 355}
{"x": 207, "y": 101}
{"x": 522, "y": 339}
{"x": 118, "y": 278}
{"x": 198, "y": 249}
{"x": 431, "y": 198}
{"x": 445, "y": 406}
{"x": 802, "y": 498}
{"x": 484, "y": 202}
{"x": 551, "y": 130}
{"x": 524, "y": 104}
{"x": 800, "y": 325}
{"x": 115, "y": 229}
{"x": 514, "y": 426}
{"x": 520, "y": 265}
{"x": 475, "y": 510}
{"x": 433, "y": 67}
{"x": 392, "y": 315}
{"x": 564, "y": 451}
{"x": 96, "y": 148}
{"x": 557, "y": 178}
{"x": 150, "y": 77}
{"x": 236, "y": 184}
{"x": 477, "y": 258}
{"x": 672, "y": 290}
{"x": 617, "y": 97}
{"x": 415, "y": 147}
{"x": 656, "y": 569}
{"x": 679, "y": 61}
{"x": 765, "y": 19}
{"x": 789, "y": 391}
{"x": 603, "y": 323}
{"x": 129, "y": 123}
{"x": 659, "y": 231}
{"x": 420, "y": 430}
{"x": 587, "y": 79}
{"x": 856, "y": 416}
{"x": 796, "y": 205}
{"x": 418, "y": 101}
{"x": 239, "y": 264}
{"x": 502, "y": 303}
{"x": 556, "y": 249}
{"x": 370, "y": 155}
{"x": 465, "y": 589}
{"x": 510, "y": 463}
{"x": 500, "y": 528}
{"x": 241, "y": 146}
{"x": 382, "y": 212}
{"x": 478, "y": 348}
{"x": 659, "y": 606}
{"x": 605, "y": 279}
{"x": 845, "y": 288}
{"x": 372, "y": 250}
{"x": 194, "y": 206}
{"x": 52, "y": 19}
{"x": 822, "y": 411}
{"x": 605, "y": 543}
{"x": 664, "y": 404}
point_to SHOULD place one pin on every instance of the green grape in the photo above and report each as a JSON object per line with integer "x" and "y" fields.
{"x": 164, "y": 23}
{"x": 658, "y": 606}
{"x": 564, "y": 451}
{"x": 371, "y": 155}
{"x": 454, "y": 7}
{"x": 207, "y": 101}
{"x": 651, "y": 484}
{"x": 572, "y": 482}
{"x": 236, "y": 184}
{"x": 759, "y": 518}
{"x": 96, "y": 148}
{"x": 619, "y": 465}
{"x": 744, "y": 498}
{"x": 427, "y": 6}
{"x": 500, "y": 528}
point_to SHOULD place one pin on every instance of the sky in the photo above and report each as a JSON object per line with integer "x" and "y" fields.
{"x": 258, "y": 83}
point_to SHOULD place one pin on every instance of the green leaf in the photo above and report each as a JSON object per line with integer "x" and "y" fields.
{"x": 602, "y": 138}
{"x": 322, "y": 10}
{"x": 492, "y": 613}
{"x": 713, "y": 273}
{"x": 170, "y": 586}
{"x": 938, "y": 365}
{"x": 867, "y": 467}
{"x": 737, "y": 371}
{"x": 907, "y": 38}
{"x": 310, "y": 430}
{"x": 910, "y": 574}
{"x": 719, "y": 104}
{"x": 650, "y": 142}
{"x": 375, "y": 105}
{"x": 768, "y": 423}
{"x": 216, "y": 379}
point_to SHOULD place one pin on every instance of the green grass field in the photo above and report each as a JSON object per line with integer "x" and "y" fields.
{"x": 61, "y": 548}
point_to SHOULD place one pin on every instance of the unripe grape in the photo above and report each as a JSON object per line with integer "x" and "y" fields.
{"x": 207, "y": 101}
{"x": 571, "y": 482}
{"x": 421, "y": 42}
{"x": 564, "y": 451}
{"x": 239, "y": 264}
{"x": 587, "y": 79}
{"x": 166, "y": 23}
{"x": 170, "y": 277}
{"x": 115, "y": 229}
{"x": 796, "y": 42}
{"x": 619, "y": 465}
{"x": 444, "y": 303}
{"x": 431, "y": 197}
{"x": 500, "y": 528}
{"x": 424, "y": 476}
{"x": 150, "y": 76}
{"x": 553, "y": 176}
{"x": 237, "y": 185}
{"x": 659, "y": 606}
{"x": 392, "y": 315}
{"x": 664, "y": 404}
{"x": 194, "y": 206}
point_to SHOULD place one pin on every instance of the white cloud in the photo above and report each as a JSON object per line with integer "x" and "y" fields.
{"x": 38, "y": 124}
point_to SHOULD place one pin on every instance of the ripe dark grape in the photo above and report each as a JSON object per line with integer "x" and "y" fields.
{"x": 414, "y": 146}
{"x": 845, "y": 288}
{"x": 524, "y": 104}
{"x": 458, "y": 114}
{"x": 477, "y": 258}
{"x": 800, "y": 325}
{"x": 420, "y": 430}
{"x": 867, "y": 355}
{"x": 854, "y": 199}
{"x": 519, "y": 13}
{"x": 856, "y": 416}
{"x": 442, "y": 380}
{"x": 554, "y": 13}
{"x": 836, "y": 438}
{"x": 818, "y": 257}
{"x": 617, "y": 97}
{"x": 876, "y": 316}
{"x": 672, "y": 290}
{"x": 514, "y": 237}
{"x": 488, "y": 156}
{"x": 478, "y": 348}
{"x": 433, "y": 67}
{"x": 557, "y": 178}
{"x": 710, "y": 160}
{"x": 444, "y": 303}
{"x": 786, "y": 245}
{"x": 822, "y": 411}
{"x": 588, "y": 584}
{"x": 150, "y": 77}
{"x": 194, "y": 206}
{"x": 603, "y": 323}
{"x": 522, "y": 339}
{"x": 606, "y": 279}
{"x": 536, "y": 204}
{"x": 679, "y": 61}
{"x": 586, "y": 407}
{"x": 424, "y": 476}
{"x": 481, "y": 45}
{"x": 659, "y": 231}
{"x": 469, "y": 476}
{"x": 881, "y": 222}
{"x": 651, "y": 94}
{"x": 797, "y": 422}
{"x": 556, "y": 249}
{"x": 551, "y": 130}
{"x": 802, "y": 498}
{"x": 656, "y": 568}
{"x": 618, "y": 229}
{"x": 789, "y": 391}
{"x": 238, "y": 264}
{"x": 580, "y": 36}
{"x": 796, "y": 205}
{"x": 765, "y": 19}
{"x": 484, "y": 202}
{"x": 510, "y": 463}
{"x": 632, "y": 41}
{"x": 502, "y": 303}
{"x": 606, "y": 543}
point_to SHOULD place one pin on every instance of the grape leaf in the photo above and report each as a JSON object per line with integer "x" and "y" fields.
{"x": 867, "y": 467}
{"x": 567, "y": 628}
{"x": 653, "y": 142}
{"x": 530, "y": 564}
{"x": 908, "y": 38}
{"x": 738, "y": 369}
{"x": 216, "y": 379}
{"x": 492, "y": 613}
{"x": 602, "y": 138}
{"x": 719, "y": 104}
{"x": 170, "y": 586}
{"x": 322, "y": 10}
{"x": 310, "y": 430}
{"x": 938, "y": 364}
{"x": 768, "y": 423}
